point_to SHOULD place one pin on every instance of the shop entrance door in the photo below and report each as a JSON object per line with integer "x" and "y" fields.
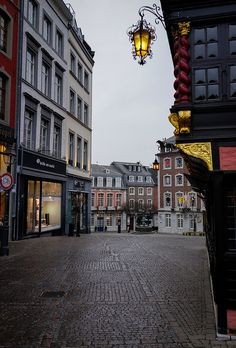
{"x": 33, "y": 207}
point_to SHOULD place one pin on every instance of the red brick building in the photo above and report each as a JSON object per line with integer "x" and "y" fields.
{"x": 9, "y": 24}
{"x": 180, "y": 209}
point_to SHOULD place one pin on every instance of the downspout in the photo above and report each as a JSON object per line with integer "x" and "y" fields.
{"x": 18, "y": 117}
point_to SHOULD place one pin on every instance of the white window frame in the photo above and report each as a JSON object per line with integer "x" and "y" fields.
{"x": 164, "y": 163}
{"x": 149, "y": 191}
{"x": 99, "y": 181}
{"x": 176, "y": 162}
{"x": 182, "y": 178}
{"x": 180, "y": 221}
{"x": 131, "y": 178}
{"x": 168, "y": 220}
{"x": 165, "y": 178}
{"x": 109, "y": 182}
{"x": 165, "y": 199}
{"x": 118, "y": 181}
{"x": 131, "y": 191}
{"x": 140, "y": 178}
{"x": 140, "y": 191}
{"x": 177, "y": 200}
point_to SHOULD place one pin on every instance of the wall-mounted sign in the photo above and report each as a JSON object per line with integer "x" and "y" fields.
{"x": 40, "y": 162}
{"x": 6, "y": 181}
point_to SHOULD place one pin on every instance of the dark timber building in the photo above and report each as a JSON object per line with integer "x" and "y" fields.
{"x": 202, "y": 39}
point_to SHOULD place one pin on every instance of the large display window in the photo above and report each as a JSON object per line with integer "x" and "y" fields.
{"x": 43, "y": 206}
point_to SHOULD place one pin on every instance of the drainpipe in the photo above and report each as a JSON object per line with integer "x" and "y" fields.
{"x": 18, "y": 117}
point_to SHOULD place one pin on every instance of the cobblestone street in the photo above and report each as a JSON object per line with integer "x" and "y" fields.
{"x": 107, "y": 290}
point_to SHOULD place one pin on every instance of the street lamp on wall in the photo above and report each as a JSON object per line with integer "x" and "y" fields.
{"x": 155, "y": 164}
{"x": 142, "y": 34}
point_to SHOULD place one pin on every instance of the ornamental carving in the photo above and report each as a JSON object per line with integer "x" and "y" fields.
{"x": 181, "y": 121}
{"x": 198, "y": 150}
{"x": 181, "y": 63}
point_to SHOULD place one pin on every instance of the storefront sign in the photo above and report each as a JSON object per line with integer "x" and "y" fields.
{"x": 7, "y": 134}
{"x": 6, "y": 181}
{"x": 40, "y": 162}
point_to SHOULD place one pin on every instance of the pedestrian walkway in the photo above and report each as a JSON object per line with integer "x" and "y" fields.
{"x": 107, "y": 290}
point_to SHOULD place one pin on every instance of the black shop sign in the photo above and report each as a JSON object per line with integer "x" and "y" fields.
{"x": 42, "y": 163}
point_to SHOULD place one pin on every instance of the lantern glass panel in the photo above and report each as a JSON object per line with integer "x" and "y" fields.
{"x": 142, "y": 42}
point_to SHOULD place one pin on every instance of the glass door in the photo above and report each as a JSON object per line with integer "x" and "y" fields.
{"x": 33, "y": 207}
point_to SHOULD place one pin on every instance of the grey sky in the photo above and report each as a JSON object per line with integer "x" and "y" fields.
{"x": 130, "y": 102}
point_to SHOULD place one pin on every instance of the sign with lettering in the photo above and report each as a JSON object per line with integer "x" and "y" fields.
{"x": 41, "y": 162}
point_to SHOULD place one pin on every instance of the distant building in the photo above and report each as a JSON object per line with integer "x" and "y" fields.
{"x": 108, "y": 199}
{"x": 140, "y": 187}
{"x": 78, "y": 136}
{"x": 180, "y": 209}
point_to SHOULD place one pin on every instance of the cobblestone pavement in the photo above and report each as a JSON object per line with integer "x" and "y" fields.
{"x": 107, "y": 290}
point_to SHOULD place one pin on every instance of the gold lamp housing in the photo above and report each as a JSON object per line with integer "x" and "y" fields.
{"x": 141, "y": 36}
{"x": 155, "y": 164}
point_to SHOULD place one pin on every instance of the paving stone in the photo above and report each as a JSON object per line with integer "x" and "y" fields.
{"x": 111, "y": 291}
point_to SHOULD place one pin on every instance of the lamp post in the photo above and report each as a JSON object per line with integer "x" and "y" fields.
{"x": 142, "y": 34}
{"x": 155, "y": 167}
{"x": 194, "y": 216}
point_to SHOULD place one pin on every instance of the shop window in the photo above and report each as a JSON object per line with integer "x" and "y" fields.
{"x": 109, "y": 219}
{"x": 92, "y": 219}
{"x": 43, "y": 206}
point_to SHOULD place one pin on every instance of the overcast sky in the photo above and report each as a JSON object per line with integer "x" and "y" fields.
{"x": 130, "y": 102}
